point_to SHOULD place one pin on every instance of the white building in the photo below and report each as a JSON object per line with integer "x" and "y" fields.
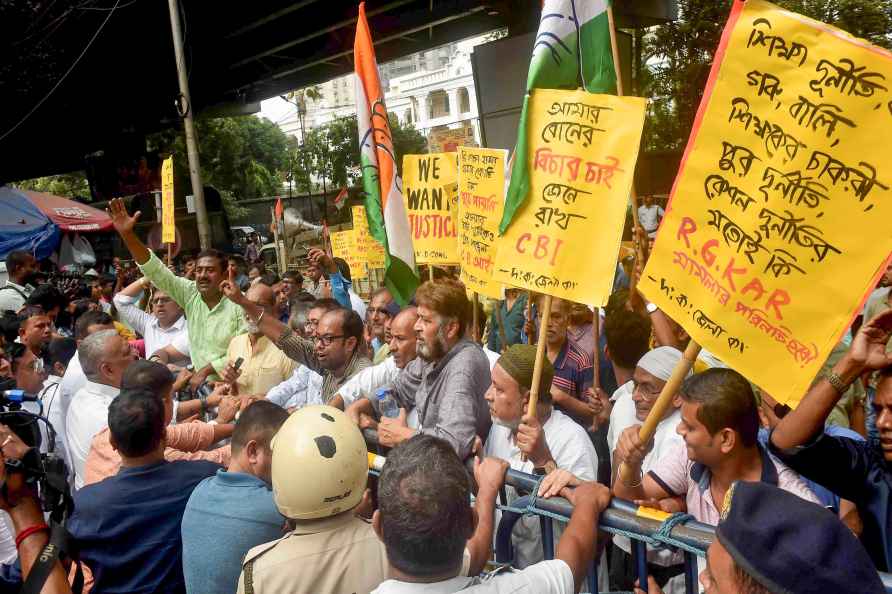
{"x": 432, "y": 90}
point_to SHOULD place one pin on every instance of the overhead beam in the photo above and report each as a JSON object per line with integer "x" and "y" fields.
{"x": 270, "y": 18}
{"x": 319, "y": 33}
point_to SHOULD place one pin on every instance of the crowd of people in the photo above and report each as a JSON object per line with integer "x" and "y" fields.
{"x": 215, "y": 420}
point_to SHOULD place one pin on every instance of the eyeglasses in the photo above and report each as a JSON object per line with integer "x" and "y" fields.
{"x": 327, "y": 339}
{"x": 161, "y": 300}
{"x": 647, "y": 392}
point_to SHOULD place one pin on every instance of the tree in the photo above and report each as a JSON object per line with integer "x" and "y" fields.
{"x": 67, "y": 185}
{"x": 245, "y": 156}
{"x": 330, "y": 156}
{"x": 679, "y": 55}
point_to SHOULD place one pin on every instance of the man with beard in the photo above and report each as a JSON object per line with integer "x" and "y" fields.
{"x": 22, "y": 268}
{"x": 335, "y": 352}
{"x": 543, "y": 444}
{"x": 213, "y": 320}
{"x": 263, "y": 366}
{"x": 448, "y": 380}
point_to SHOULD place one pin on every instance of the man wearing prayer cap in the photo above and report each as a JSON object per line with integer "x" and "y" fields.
{"x": 770, "y": 542}
{"x": 632, "y": 403}
{"x": 552, "y": 443}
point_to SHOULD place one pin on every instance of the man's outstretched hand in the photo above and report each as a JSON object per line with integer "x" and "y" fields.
{"x": 231, "y": 290}
{"x": 122, "y": 221}
{"x": 868, "y": 348}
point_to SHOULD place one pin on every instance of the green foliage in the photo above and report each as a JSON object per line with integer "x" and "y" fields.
{"x": 331, "y": 153}
{"x": 244, "y": 157}
{"x": 68, "y": 185}
{"x": 679, "y": 56}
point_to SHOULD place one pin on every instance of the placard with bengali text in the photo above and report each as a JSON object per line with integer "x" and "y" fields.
{"x": 168, "y": 220}
{"x": 565, "y": 238}
{"x": 781, "y": 216}
{"x": 481, "y": 199}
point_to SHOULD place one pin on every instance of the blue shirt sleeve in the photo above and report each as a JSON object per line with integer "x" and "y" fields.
{"x": 339, "y": 290}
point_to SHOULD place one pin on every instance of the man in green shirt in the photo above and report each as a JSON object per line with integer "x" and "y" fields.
{"x": 212, "y": 319}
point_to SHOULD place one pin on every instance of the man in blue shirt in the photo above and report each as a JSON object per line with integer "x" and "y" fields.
{"x": 238, "y": 504}
{"x": 127, "y": 527}
{"x": 857, "y": 471}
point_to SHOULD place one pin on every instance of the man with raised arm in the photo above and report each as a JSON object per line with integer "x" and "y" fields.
{"x": 212, "y": 319}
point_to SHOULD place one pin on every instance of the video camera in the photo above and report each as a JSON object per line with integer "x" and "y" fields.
{"x": 47, "y": 472}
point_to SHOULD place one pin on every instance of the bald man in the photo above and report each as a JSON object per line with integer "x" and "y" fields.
{"x": 359, "y": 393}
{"x": 263, "y": 365}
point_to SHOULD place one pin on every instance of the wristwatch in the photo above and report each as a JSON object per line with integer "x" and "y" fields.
{"x": 549, "y": 467}
{"x": 651, "y": 307}
{"x": 837, "y": 382}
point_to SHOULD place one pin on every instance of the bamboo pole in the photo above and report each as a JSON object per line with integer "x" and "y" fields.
{"x": 633, "y": 196}
{"x": 475, "y": 318}
{"x": 272, "y": 213}
{"x": 540, "y": 355}
{"x": 169, "y": 253}
{"x": 596, "y": 355}
{"x": 656, "y": 414}
{"x": 430, "y": 270}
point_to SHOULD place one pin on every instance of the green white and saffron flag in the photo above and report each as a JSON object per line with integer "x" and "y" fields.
{"x": 572, "y": 50}
{"x": 385, "y": 211}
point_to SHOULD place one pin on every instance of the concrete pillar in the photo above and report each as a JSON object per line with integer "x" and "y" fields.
{"x": 454, "y": 108}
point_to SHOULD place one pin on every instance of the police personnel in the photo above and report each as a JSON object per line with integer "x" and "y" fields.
{"x": 319, "y": 475}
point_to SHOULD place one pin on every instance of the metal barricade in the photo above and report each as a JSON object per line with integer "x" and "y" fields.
{"x": 674, "y": 531}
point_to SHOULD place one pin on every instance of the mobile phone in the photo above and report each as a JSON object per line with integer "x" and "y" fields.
{"x": 238, "y": 362}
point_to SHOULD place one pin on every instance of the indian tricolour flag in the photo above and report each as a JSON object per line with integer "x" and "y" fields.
{"x": 384, "y": 208}
{"x": 572, "y": 50}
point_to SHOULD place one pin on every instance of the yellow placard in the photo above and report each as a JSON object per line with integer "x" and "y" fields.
{"x": 781, "y": 215}
{"x": 565, "y": 238}
{"x": 168, "y": 223}
{"x": 481, "y": 199}
{"x": 366, "y": 245}
{"x": 343, "y": 245}
{"x": 429, "y": 193}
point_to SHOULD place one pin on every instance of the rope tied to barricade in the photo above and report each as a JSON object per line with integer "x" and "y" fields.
{"x": 662, "y": 538}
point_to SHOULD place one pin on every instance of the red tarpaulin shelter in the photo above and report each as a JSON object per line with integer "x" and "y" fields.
{"x": 69, "y": 215}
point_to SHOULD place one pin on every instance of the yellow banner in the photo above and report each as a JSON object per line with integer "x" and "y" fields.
{"x": 366, "y": 245}
{"x": 565, "y": 238}
{"x": 781, "y": 215}
{"x": 429, "y": 193}
{"x": 343, "y": 245}
{"x": 481, "y": 199}
{"x": 168, "y": 223}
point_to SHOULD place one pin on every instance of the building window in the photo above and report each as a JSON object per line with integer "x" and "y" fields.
{"x": 464, "y": 100}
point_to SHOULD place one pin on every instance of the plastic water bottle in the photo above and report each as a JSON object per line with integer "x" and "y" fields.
{"x": 387, "y": 404}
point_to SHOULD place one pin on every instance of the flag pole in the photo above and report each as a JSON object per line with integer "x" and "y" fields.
{"x": 633, "y": 196}
{"x": 656, "y": 414}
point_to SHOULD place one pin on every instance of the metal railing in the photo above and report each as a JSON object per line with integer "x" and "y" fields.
{"x": 621, "y": 517}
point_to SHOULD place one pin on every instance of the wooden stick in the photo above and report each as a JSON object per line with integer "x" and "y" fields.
{"x": 540, "y": 355}
{"x": 633, "y": 196}
{"x": 430, "y": 270}
{"x": 656, "y": 414}
{"x": 169, "y": 253}
{"x": 596, "y": 355}
{"x": 272, "y": 212}
{"x": 475, "y": 328}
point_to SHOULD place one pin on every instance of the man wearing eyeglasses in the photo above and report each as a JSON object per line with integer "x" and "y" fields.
{"x": 161, "y": 327}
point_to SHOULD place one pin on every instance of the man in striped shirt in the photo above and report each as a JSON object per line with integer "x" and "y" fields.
{"x": 573, "y": 373}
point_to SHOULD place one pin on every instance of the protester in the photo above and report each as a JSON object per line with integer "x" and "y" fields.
{"x": 318, "y": 286}
{"x": 539, "y": 444}
{"x": 291, "y": 286}
{"x": 336, "y": 349}
{"x": 183, "y": 441}
{"x": 878, "y": 301}
{"x": 213, "y": 320}
{"x": 21, "y": 267}
{"x": 237, "y": 503}
{"x": 719, "y": 425}
{"x": 104, "y": 356}
{"x": 237, "y": 264}
{"x": 425, "y": 520}
{"x": 573, "y": 372}
{"x": 305, "y": 385}
{"x": 263, "y": 365}
{"x": 447, "y": 382}
{"x": 140, "y": 550}
{"x": 512, "y": 311}
{"x": 58, "y": 354}
{"x": 35, "y": 331}
{"x": 50, "y": 300}
{"x": 329, "y": 548}
{"x": 381, "y": 308}
{"x": 103, "y": 287}
{"x": 650, "y": 215}
{"x": 857, "y": 471}
{"x": 770, "y": 541}
{"x": 158, "y": 328}
{"x": 633, "y": 403}
{"x": 358, "y": 395}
